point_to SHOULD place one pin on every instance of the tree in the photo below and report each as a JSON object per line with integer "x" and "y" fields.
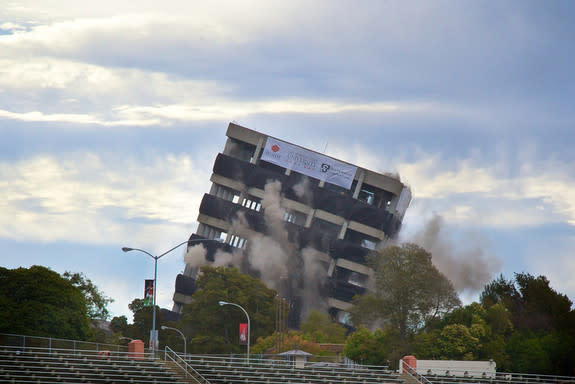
{"x": 377, "y": 348}
{"x": 291, "y": 340}
{"x": 319, "y": 328}
{"x": 38, "y": 301}
{"x": 498, "y": 319}
{"x": 542, "y": 308}
{"x": 215, "y": 328}
{"x": 142, "y": 320}
{"x": 96, "y": 301}
{"x": 500, "y": 291}
{"x": 119, "y": 325}
{"x": 522, "y": 324}
{"x": 528, "y": 353}
{"x": 460, "y": 335}
{"x": 426, "y": 345}
{"x": 457, "y": 343}
{"x": 137, "y": 305}
{"x": 533, "y": 304}
{"x": 409, "y": 292}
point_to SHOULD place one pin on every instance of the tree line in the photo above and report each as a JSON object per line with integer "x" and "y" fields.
{"x": 522, "y": 323}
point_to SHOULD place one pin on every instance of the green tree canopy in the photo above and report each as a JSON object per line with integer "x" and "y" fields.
{"x": 119, "y": 325}
{"x": 38, "y": 301}
{"x": 374, "y": 348}
{"x": 533, "y": 304}
{"x": 541, "y": 337}
{"x": 522, "y": 324}
{"x": 319, "y": 328}
{"x": 457, "y": 343}
{"x": 290, "y": 340}
{"x": 409, "y": 292}
{"x": 458, "y": 336}
{"x": 142, "y": 321}
{"x": 215, "y": 328}
{"x": 96, "y": 301}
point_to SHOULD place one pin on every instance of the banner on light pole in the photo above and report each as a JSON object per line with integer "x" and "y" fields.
{"x": 149, "y": 292}
{"x": 243, "y": 333}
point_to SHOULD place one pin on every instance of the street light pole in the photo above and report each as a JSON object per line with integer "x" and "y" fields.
{"x": 222, "y": 303}
{"x": 154, "y": 335}
{"x": 181, "y": 334}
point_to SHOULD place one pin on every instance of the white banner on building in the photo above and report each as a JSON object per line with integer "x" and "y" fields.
{"x": 309, "y": 163}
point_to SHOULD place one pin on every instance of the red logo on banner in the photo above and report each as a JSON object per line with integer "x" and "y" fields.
{"x": 275, "y": 147}
{"x": 243, "y": 333}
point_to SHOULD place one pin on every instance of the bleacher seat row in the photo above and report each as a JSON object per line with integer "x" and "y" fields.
{"x": 43, "y": 367}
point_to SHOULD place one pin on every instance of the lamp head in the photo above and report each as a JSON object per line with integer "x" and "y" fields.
{"x": 222, "y": 303}
{"x": 163, "y": 327}
{"x": 127, "y": 249}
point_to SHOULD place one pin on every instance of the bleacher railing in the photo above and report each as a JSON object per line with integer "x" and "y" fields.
{"x": 277, "y": 369}
{"x": 32, "y": 365}
{"x": 481, "y": 377}
{"x": 189, "y": 371}
{"x": 50, "y": 344}
{"x": 317, "y": 361}
{"x": 409, "y": 371}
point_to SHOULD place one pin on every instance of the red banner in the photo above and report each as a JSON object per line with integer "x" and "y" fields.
{"x": 243, "y": 333}
{"x": 149, "y": 292}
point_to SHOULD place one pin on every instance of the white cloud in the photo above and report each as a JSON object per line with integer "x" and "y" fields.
{"x": 99, "y": 87}
{"x": 43, "y": 89}
{"x": 468, "y": 191}
{"x": 476, "y": 191}
{"x": 157, "y": 115}
{"x": 238, "y": 108}
{"x": 88, "y": 199}
{"x": 39, "y": 117}
{"x": 123, "y": 30}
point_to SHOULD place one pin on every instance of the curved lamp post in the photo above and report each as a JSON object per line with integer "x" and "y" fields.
{"x": 181, "y": 334}
{"x": 153, "y": 335}
{"x": 222, "y": 303}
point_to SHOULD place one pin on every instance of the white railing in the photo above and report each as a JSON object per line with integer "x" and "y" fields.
{"x": 469, "y": 376}
{"x": 50, "y": 343}
{"x": 183, "y": 365}
{"x": 409, "y": 371}
{"x": 273, "y": 369}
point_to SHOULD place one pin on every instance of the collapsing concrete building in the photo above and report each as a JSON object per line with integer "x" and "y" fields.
{"x": 301, "y": 221}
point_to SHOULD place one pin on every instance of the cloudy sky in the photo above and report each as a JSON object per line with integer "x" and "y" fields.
{"x": 111, "y": 114}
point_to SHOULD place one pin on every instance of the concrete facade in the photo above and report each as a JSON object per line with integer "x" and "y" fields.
{"x": 323, "y": 232}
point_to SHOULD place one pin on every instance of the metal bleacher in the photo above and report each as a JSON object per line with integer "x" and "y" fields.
{"x": 235, "y": 370}
{"x": 41, "y": 366}
{"x": 29, "y": 359}
{"x": 480, "y": 377}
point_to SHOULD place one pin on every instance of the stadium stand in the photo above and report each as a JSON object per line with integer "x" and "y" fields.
{"x": 234, "y": 370}
{"x": 470, "y": 377}
{"x": 25, "y": 361}
{"x": 40, "y": 366}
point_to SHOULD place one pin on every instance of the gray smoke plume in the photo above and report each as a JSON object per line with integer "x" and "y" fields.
{"x": 276, "y": 260}
{"x": 314, "y": 277}
{"x": 222, "y": 258}
{"x": 468, "y": 266}
{"x": 269, "y": 258}
{"x": 284, "y": 253}
{"x": 303, "y": 190}
{"x": 274, "y": 213}
{"x": 196, "y": 255}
